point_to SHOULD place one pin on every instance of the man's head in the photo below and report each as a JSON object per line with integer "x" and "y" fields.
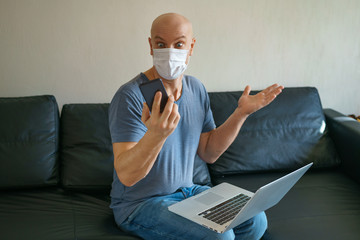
{"x": 171, "y": 30}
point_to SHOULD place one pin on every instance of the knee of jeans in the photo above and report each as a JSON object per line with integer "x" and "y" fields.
{"x": 260, "y": 225}
{"x": 253, "y": 228}
{"x": 228, "y": 235}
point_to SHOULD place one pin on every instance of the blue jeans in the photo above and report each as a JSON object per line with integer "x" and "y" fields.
{"x": 153, "y": 220}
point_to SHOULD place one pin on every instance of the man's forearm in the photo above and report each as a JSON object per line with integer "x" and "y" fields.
{"x": 134, "y": 163}
{"x": 222, "y": 137}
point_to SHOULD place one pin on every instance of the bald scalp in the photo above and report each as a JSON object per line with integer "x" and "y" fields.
{"x": 170, "y": 21}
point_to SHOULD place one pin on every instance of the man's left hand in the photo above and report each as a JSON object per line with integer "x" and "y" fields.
{"x": 249, "y": 104}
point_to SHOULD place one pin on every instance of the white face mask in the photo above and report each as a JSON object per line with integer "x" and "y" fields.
{"x": 170, "y": 63}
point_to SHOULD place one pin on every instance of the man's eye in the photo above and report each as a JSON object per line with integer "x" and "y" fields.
{"x": 161, "y": 45}
{"x": 180, "y": 44}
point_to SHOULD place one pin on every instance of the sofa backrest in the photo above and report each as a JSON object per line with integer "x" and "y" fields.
{"x": 29, "y": 129}
{"x": 86, "y": 154}
{"x": 288, "y": 133}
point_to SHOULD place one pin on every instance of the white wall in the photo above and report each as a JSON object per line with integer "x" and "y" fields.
{"x": 82, "y": 51}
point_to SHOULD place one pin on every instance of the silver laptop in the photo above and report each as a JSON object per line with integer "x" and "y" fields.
{"x": 225, "y": 206}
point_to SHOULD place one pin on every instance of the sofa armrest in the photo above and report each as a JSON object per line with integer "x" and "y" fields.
{"x": 345, "y": 133}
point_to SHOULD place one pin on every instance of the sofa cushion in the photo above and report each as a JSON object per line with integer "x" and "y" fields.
{"x": 86, "y": 149}
{"x": 288, "y": 133}
{"x": 94, "y": 218}
{"x": 40, "y": 214}
{"x": 55, "y": 214}
{"x": 28, "y": 141}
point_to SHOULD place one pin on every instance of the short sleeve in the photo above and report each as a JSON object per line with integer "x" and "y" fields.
{"x": 209, "y": 123}
{"x": 125, "y": 118}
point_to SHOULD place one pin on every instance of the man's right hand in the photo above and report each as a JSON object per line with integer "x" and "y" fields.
{"x": 161, "y": 125}
{"x": 134, "y": 160}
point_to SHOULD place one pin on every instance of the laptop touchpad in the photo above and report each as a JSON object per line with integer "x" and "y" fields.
{"x": 209, "y": 198}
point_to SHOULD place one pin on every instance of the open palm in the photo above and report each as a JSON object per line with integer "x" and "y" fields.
{"x": 252, "y": 103}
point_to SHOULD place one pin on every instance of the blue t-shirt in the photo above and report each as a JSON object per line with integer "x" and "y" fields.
{"x": 173, "y": 167}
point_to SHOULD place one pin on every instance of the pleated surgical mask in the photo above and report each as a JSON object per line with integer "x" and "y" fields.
{"x": 170, "y": 63}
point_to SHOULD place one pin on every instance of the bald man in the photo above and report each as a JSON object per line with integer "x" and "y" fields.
{"x": 154, "y": 152}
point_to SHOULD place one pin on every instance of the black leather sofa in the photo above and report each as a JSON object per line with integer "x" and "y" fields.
{"x": 56, "y": 172}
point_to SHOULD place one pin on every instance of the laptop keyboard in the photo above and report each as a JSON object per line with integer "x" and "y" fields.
{"x": 227, "y": 210}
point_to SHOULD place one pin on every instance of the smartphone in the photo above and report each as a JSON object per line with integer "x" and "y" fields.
{"x": 149, "y": 89}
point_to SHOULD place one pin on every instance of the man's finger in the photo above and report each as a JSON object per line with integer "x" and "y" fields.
{"x": 246, "y": 90}
{"x": 168, "y": 107}
{"x": 145, "y": 113}
{"x": 270, "y": 96}
{"x": 276, "y": 91}
{"x": 270, "y": 88}
{"x": 174, "y": 114}
{"x": 156, "y": 104}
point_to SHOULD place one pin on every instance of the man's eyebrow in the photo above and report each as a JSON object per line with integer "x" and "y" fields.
{"x": 160, "y": 38}
{"x": 182, "y": 36}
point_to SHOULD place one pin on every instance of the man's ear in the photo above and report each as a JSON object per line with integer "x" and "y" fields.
{"x": 192, "y": 46}
{"x": 151, "y": 49}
